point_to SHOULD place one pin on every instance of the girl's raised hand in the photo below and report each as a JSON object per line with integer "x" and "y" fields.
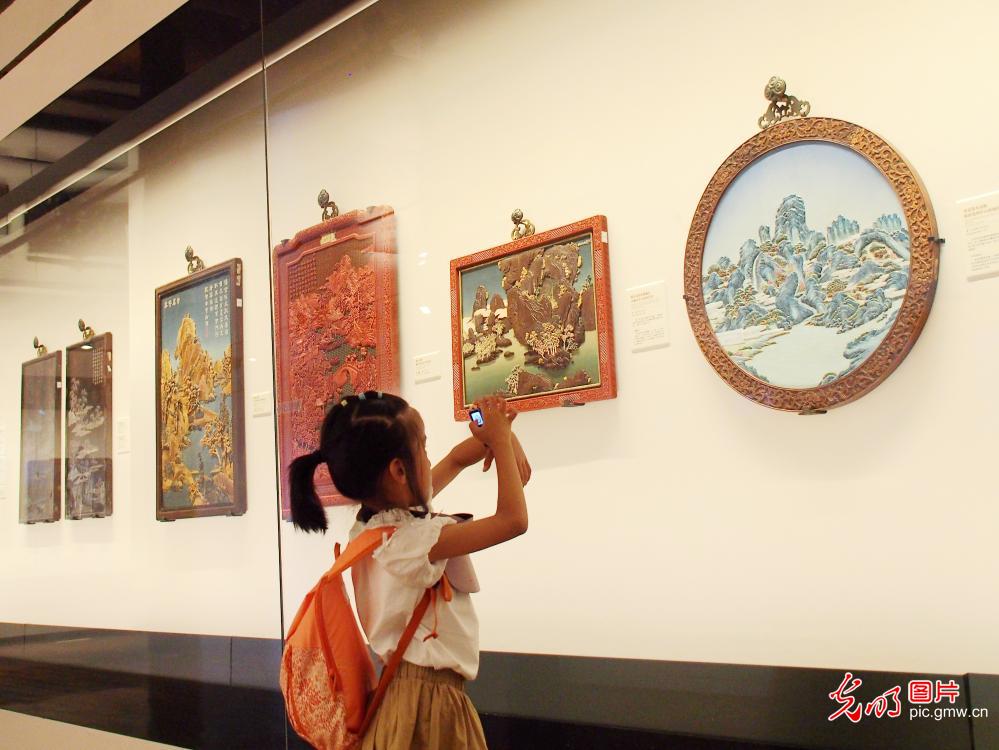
{"x": 496, "y": 424}
{"x": 523, "y": 465}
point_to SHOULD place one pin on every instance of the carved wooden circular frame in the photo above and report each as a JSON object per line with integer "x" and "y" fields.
{"x": 923, "y": 265}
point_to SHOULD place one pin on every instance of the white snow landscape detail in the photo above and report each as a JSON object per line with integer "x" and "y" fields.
{"x": 797, "y": 307}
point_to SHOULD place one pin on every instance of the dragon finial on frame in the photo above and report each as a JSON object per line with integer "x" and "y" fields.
{"x": 40, "y": 348}
{"x": 330, "y": 209}
{"x": 194, "y": 263}
{"x": 87, "y": 331}
{"x": 782, "y": 104}
{"x": 521, "y": 227}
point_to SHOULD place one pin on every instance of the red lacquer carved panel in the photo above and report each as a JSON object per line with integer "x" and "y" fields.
{"x": 336, "y": 328}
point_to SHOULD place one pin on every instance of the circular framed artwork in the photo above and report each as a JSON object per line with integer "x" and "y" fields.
{"x": 811, "y": 264}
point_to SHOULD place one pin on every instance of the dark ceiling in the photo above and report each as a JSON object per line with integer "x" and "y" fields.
{"x": 199, "y": 44}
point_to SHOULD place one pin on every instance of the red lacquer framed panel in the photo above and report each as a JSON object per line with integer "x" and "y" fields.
{"x": 531, "y": 320}
{"x": 336, "y": 328}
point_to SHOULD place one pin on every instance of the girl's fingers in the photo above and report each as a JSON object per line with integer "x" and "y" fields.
{"x": 494, "y": 405}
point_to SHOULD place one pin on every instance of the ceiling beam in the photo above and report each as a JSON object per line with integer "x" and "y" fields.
{"x": 94, "y": 35}
{"x": 24, "y": 20}
{"x": 101, "y": 99}
{"x": 85, "y": 110}
{"x": 94, "y": 83}
{"x": 47, "y": 145}
{"x": 66, "y": 124}
{"x": 39, "y": 40}
{"x": 23, "y": 159}
{"x": 292, "y": 29}
{"x": 229, "y": 8}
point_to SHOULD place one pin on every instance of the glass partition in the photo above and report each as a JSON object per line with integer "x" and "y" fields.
{"x": 145, "y": 564}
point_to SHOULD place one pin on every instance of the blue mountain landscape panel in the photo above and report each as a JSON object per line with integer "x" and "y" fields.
{"x": 796, "y": 306}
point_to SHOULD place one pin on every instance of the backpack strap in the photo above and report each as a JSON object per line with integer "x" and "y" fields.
{"x": 363, "y": 545}
{"x": 393, "y": 663}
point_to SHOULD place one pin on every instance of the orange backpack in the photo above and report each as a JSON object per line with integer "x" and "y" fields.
{"x": 327, "y": 677}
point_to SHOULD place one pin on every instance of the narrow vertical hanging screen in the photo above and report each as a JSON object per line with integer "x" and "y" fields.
{"x": 336, "y": 323}
{"x": 41, "y": 439}
{"x": 201, "y": 469}
{"x": 88, "y": 428}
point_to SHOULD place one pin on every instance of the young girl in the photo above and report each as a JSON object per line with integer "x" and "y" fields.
{"x": 375, "y": 448}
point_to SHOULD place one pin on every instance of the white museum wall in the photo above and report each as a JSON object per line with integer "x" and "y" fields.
{"x": 201, "y": 182}
{"x": 679, "y": 521}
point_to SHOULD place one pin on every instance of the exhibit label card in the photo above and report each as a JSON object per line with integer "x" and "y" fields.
{"x": 647, "y": 305}
{"x": 980, "y": 222}
{"x": 263, "y": 404}
{"x": 427, "y": 367}
{"x": 123, "y": 436}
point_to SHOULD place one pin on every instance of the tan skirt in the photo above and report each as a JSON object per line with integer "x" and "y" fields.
{"x": 425, "y": 709}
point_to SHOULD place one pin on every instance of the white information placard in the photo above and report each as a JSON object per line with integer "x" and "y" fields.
{"x": 122, "y": 436}
{"x": 263, "y": 404}
{"x": 647, "y": 305}
{"x": 426, "y": 367}
{"x": 980, "y": 223}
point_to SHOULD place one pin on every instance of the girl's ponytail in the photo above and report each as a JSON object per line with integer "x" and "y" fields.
{"x": 306, "y": 511}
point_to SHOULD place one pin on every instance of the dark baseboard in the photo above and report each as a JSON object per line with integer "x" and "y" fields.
{"x": 221, "y": 692}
